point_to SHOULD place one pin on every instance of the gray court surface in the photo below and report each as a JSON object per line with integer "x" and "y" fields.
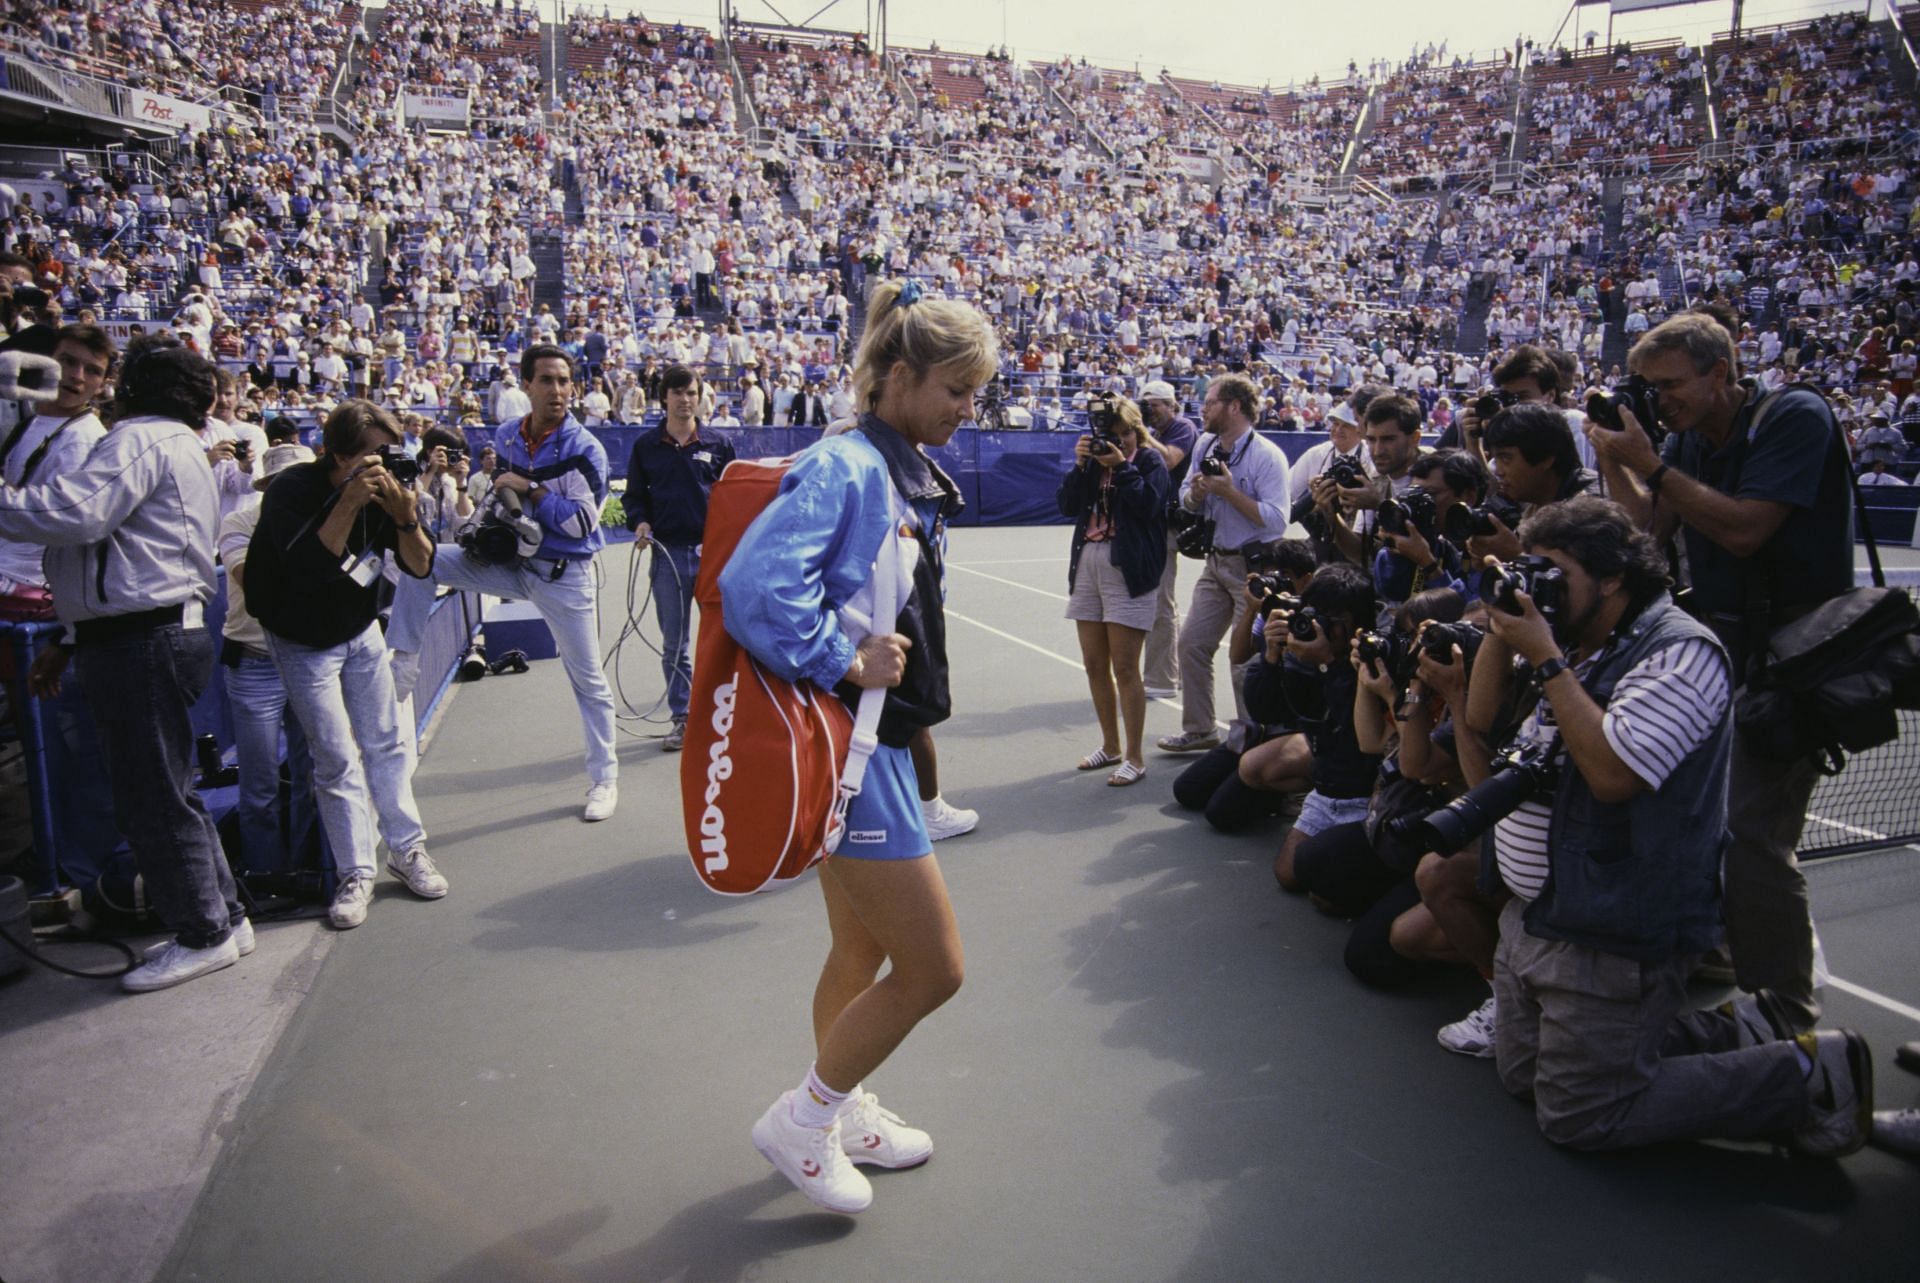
{"x": 1157, "y": 1069}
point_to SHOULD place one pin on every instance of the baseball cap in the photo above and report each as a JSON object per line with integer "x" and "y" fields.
{"x": 278, "y": 459}
{"x": 1158, "y": 390}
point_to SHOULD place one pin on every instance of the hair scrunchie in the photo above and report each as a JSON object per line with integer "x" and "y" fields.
{"x": 909, "y": 294}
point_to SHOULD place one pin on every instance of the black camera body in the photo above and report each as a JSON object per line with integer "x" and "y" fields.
{"x": 1303, "y": 624}
{"x": 455, "y": 455}
{"x": 1519, "y": 772}
{"x": 1345, "y": 473}
{"x": 1439, "y": 639}
{"x": 242, "y": 450}
{"x": 1274, "y": 594}
{"x": 1214, "y": 463}
{"x": 1389, "y": 651}
{"x": 1464, "y": 522}
{"x": 1416, "y": 511}
{"x": 1633, "y": 393}
{"x": 1536, "y": 576}
{"x": 1103, "y": 421}
{"x": 395, "y": 459}
{"x": 1491, "y": 402}
{"x": 1192, "y": 533}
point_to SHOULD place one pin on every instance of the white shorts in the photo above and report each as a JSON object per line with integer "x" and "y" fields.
{"x": 1100, "y": 593}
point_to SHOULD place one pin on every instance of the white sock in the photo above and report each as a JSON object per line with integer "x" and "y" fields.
{"x": 930, "y": 805}
{"x": 853, "y": 1098}
{"x": 815, "y": 1104}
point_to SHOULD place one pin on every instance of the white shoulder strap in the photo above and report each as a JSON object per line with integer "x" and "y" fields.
{"x": 889, "y": 595}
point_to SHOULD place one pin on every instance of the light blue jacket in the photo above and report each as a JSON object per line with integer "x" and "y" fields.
{"x": 572, "y": 466}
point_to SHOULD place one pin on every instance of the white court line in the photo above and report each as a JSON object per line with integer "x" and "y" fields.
{"x": 1050, "y": 654}
{"x": 1894, "y": 1005}
{"x": 1011, "y": 561}
{"x": 1011, "y": 583}
{"x": 1868, "y": 834}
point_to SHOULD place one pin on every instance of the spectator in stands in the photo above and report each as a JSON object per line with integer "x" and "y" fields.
{"x": 1634, "y": 699}
{"x": 312, "y": 576}
{"x": 129, "y": 536}
{"x": 1117, "y": 493}
{"x": 669, "y": 475}
{"x": 1781, "y": 507}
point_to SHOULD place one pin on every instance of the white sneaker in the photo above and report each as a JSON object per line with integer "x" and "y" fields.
{"x": 811, "y": 1158}
{"x": 601, "y": 799}
{"x": 1163, "y": 692}
{"x": 415, "y": 868}
{"x": 945, "y": 821}
{"x": 176, "y": 964}
{"x": 1897, "y": 1130}
{"x": 349, "y": 907}
{"x": 871, "y": 1134}
{"x": 1472, "y": 1036}
{"x": 242, "y": 940}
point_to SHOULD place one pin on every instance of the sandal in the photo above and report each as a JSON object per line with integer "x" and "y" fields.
{"x": 1127, "y": 774}
{"x": 1097, "y": 759}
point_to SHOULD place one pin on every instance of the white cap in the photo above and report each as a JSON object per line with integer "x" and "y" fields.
{"x": 1159, "y": 390}
{"x": 278, "y": 459}
{"x": 1343, "y": 413}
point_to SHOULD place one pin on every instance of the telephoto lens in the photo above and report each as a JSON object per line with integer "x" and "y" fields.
{"x": 1519, "y": 773}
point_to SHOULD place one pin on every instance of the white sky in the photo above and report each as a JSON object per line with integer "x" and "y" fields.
{"x": 1236, "y": 41}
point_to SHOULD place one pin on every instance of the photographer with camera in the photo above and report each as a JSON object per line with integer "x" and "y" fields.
{"x": 536, "y": 537}
{"x": 1531, "y": 450}
{"x": 1528, "y": 376}
{"x": 669, "y": 475}
{"x": 233, "y": 447}
{"x": 1607, "y": 814}
{"x": 1212, "y": 784}
{"x": 1363, "y": 870}
{"x": 1117, "y": 494}
{"x": 312, "y": 579}
{"x": 1239, "y": 488}
{"x": 55, "y": 440}
{"x": 1757, "y": 490}
{"x": 1392, "y": 430}
{"x": 1171, "y": 435}
{"x": 129, "y": 553}
{"x": 1304, "y": 677}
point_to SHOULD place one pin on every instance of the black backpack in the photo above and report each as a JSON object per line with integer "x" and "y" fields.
{"x": 1832, "y": 682}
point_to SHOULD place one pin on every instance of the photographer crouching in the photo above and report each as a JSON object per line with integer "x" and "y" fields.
{"x": 1117, "y": 494}
{"x": 313, "y": 570}
{"x": 1608, "y": 813}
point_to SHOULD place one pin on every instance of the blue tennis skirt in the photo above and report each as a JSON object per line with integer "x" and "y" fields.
{"x": 884, "y": 822}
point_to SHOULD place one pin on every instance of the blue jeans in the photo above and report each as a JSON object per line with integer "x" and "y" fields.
{"x": 671, "y": 572}
{"x": 258, "y": 700}
{"x": 142, "y": 688}
{"x": 343, "y": 697}
{"x": 568, "y": 606}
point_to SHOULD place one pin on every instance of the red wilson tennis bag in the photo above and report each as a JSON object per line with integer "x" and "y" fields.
{"x": 769, "y": 765}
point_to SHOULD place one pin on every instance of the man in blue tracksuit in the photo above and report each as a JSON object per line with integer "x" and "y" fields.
{"x": 560, "y": 473}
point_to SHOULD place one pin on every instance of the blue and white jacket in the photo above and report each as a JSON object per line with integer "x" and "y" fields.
{"x": 572, "y": 467}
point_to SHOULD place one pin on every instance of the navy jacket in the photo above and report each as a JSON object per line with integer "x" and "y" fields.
{"x": 668, "y": 483}
{"x": 1141, "y": 492}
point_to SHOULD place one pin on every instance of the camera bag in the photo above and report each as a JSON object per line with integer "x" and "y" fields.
{"x": 1830, "y": 682}
{"x": 770, "y": 766}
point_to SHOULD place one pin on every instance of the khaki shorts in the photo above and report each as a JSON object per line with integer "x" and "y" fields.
{"x": 1100, "y": 593}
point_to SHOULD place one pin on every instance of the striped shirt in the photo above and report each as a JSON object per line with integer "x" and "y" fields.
{"x": 1662, "y": 709}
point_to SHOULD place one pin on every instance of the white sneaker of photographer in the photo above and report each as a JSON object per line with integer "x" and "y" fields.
{"x": 242, "y": 940}
{"x": 176, "y": 964}
{"x": 1473, "y": 1034}
{"x": 601, "y": 799}
{"x": 349, "y": 907}
{"x": 947, "y": 821}
{"x": 415, "y": 868}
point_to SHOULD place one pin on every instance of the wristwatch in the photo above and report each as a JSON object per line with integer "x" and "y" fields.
{"x": 409, "y": 528}
{"x": 1656, "y": 478}
{"x": 1551, "y": 669}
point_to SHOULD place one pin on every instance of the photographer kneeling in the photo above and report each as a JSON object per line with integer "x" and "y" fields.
{"x": 1117, "y": 493}
{"x": 1613, "y": 857}
{"x": 313, "y": 573}
{"x": 1305, "y": 676}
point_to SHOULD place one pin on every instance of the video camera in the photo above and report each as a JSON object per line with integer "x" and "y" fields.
{"x": 1632, "y": 393}
{"x": 505, "y": 533}
{"x": 1536, "y": 576}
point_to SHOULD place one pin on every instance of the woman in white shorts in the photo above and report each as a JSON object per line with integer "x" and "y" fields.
{"x": 1117, "y": 494}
